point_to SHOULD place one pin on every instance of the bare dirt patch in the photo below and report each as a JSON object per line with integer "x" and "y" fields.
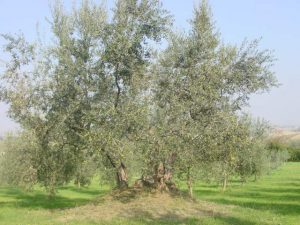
{"x": 130, "y": 204}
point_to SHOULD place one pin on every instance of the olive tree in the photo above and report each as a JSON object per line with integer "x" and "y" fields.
{"x": 98, "y": 92}
{"x": 82, "y": 93}
{"x": 16, "y": 160}
{"x": 202, "y": 85}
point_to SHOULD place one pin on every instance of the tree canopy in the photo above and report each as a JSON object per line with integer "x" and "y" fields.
{"x": 101, "y": 95}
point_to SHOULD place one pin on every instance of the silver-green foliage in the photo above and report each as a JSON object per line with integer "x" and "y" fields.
{"x": 202, "y": 86}
{"x": 16, "y": 160}
{"x": 97, "y": 92}
{"x": 83, "y": 92}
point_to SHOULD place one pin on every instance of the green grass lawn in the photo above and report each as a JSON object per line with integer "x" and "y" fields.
{"x": 275, "y": 199}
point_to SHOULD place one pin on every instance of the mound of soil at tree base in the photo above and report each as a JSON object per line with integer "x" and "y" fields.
{"x": 133, "y": 203}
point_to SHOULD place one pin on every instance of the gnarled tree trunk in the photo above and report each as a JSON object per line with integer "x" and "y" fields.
{"x": 121, "y": 172}
{"x": 161, "y": 180}
{"x": 122, "y": 176}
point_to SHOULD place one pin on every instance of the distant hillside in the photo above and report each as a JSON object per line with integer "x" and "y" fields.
{"x": 286, "y": 135}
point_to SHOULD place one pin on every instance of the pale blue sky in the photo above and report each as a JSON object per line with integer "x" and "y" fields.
{"x": 276, "y": 21}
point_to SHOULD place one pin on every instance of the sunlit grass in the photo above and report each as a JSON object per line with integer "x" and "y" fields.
{"x": 274, "y": 199}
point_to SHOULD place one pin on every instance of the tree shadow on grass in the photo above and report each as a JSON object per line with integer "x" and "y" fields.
{"x": 283, "y": 190}
{"x": 236, "y": 221}
{"x": 282, "y": 197}
{"x": 83, "y": 190}
{"x": 204, "y": 192}
{"x": 171, "y": 218}
{"x": 277, "y": 207}
{"x": 35, "y": 200}
{"x": 284, "y": 200}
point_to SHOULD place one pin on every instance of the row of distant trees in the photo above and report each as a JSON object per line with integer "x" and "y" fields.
{"x": 103, "y": 96}
{"x": 284, "y": 143}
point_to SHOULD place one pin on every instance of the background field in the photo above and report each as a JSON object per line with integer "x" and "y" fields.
{"x": 275, "y": 199}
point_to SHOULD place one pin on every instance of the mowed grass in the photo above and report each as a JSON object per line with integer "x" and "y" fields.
{"x": 274, "y": 199}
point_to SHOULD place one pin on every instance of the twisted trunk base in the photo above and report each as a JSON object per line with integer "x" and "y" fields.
{"x": 161, "y": 180}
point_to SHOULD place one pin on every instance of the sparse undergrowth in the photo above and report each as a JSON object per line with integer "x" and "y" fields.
{"x": 275, "y": 199}
{"x": 144, "y": 206}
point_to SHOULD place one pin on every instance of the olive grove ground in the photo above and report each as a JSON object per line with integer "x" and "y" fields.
{"x": 274, "y": 199}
